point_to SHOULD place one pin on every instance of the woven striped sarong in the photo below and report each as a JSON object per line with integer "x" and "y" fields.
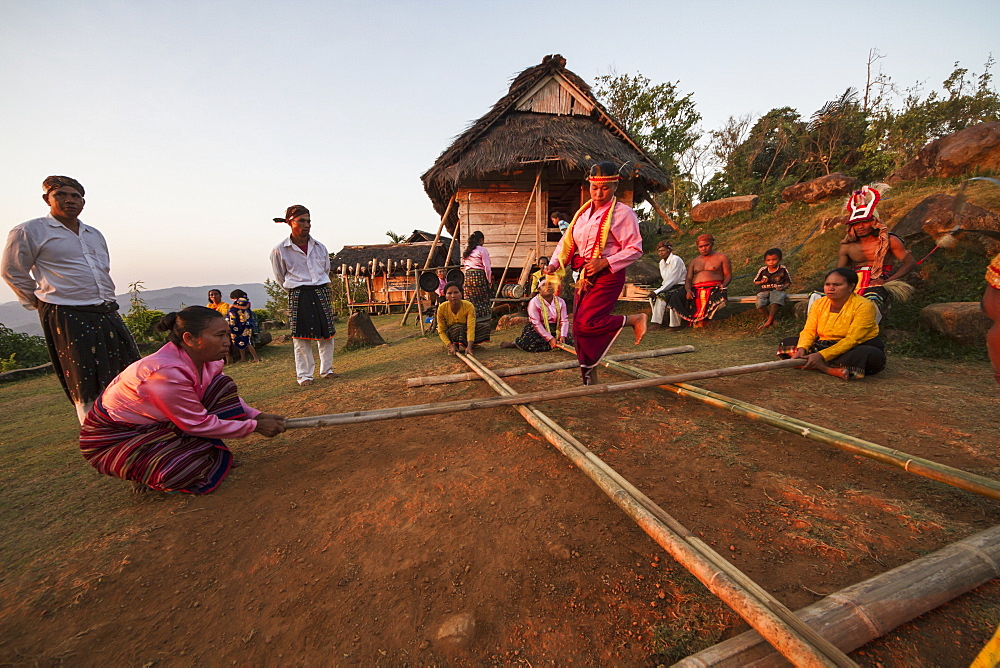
{"x": 477, "y": 290}
{"x": 160, "y": 455}
{"x": 310, "y": 311}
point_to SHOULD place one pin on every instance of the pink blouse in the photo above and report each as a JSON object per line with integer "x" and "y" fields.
{"x": 624, "y": 244}
{"x": 537, "y": 320}
{"x": 165, "y": 387}
{"x": 479, "y": 258}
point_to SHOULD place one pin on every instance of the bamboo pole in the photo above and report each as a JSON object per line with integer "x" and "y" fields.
{"x": 427, "y": 263}
{"x": 796, "y": 641}
{"x": 420, "y": 317}
{"x": 541, "y": 368}
{"x": 868, "y": 610}
{"x": 517, "y": 237}
{"x": 926, "y": 468}
{"x": 544, "y": 395}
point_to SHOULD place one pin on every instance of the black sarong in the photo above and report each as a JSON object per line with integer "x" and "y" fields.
{"x": 88, "y": 346}
{"x": 310, "y": 311}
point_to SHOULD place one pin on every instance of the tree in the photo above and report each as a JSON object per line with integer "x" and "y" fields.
{"x": 835, "y": 135}
{"x": 658, "y": 117}
{"x": 396, "y": 237}
{"x": 277, "y": 299}
{"x": 19, "y": 350}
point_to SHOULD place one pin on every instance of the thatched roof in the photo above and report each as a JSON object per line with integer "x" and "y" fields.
{"x": 507, "y": 140}
{"x": 398, "y": 253}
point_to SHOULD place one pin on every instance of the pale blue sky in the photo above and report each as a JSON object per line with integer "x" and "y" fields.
{"x": 192, "y": 124}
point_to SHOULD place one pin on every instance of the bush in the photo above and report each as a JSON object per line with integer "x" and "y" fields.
{"x": 19, "y": 350}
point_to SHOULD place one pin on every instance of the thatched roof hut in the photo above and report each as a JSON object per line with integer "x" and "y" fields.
{"x": 541, "y": 138}
{"x": 350, "y": 257}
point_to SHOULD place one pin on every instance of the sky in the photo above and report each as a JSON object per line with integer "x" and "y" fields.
{"x": 192, "y": 124}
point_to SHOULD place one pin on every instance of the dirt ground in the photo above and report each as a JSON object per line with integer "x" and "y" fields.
{"x": 354, "y": 545}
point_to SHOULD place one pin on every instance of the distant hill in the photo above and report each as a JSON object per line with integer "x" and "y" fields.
{"x": 20, "y": 319}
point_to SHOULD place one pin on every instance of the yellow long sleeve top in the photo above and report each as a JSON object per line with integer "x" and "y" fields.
{"x": 446, "y": 318}
{"x": 854, "y": 325}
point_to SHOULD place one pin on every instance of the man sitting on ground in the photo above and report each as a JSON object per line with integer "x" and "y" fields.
{"x": 704, "y": 294}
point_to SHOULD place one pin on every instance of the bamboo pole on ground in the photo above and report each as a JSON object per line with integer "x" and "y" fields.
{"x": 427, "y": 263}
{"x": 517, "y": 237}
{"x": 795, "y": 640}
{"x": 970, "y": 482}
{"x": 854, "y": 616}
{"x": 541, "y": 368}
{"x": 544, "y": 395}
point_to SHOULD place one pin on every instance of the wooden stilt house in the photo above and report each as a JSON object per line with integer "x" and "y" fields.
{"x": 529, "y": 156}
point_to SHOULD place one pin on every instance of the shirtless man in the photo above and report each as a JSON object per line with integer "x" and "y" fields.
{"x": 705, "y": 286}
{"x": 867, "y": 246}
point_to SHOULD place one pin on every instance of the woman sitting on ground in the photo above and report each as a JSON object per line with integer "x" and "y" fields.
{"x": 548, "y": 322}
{"x": 840, "y": 337}
{"x": 159, "y": 422}
{"x": 456, "y": 320}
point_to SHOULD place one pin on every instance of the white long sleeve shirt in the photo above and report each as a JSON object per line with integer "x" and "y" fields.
{"x": 672, "y": 271}
{"x": 46, "y": 261}
{"x": 293, "y": 268}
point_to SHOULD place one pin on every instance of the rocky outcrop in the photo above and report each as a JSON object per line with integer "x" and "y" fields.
{"x": 720, "y": 208}
{"x": 935, "y": 216}
{"x": 963, "y": 322}
{"x": 644, "y": 271}
{"x": 819, "y": 189}
{"x": 975, "y": 148}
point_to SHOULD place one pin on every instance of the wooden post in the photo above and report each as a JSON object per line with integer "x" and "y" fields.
{"x": 541, "y": 368}
{"x": 926, "y": 468}
{"x": 517, "y": 237}
{"x": 795, "y": 640}
{"x": 862, "y": 612}
{"x": 544, "y": 395}
{"x": 427, "y": 263}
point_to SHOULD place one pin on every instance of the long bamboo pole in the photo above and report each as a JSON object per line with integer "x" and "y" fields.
{"x": 540, "y": 368}
{"x": 517, "y": 237}
{"x": 926, "y": 468}
{"x": 427, "y": 262}
{"x": 544, "y": 395}
{"x": 796, "y": 641}
{"x": 868, "y": 610}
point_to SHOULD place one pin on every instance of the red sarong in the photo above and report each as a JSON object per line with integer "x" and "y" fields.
{"x": 594, "y": 328}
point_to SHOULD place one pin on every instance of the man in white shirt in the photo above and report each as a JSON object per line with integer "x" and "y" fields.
{"x": 62, "y": 268}
{"x": 673, "y": 272}
{"x": 302, "y": 266}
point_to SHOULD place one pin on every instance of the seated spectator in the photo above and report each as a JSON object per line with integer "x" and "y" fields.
{"x": 548, "y": 321}
{"x": 840, "y": 337}
{"x": 772, "y": 279}
{"x": 159, "y": 422}
{"x": 456, "y": 320}
{"x": 215, "y": 302}
{"x": 704, "y": 294}
{"x": 672, "y": 271}
{"x": 538, "y": 275}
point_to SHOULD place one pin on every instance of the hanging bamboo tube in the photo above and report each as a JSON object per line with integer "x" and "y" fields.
{"x": 970, "y": 482}
{"x": 517, "y": 237}
{"x": 541, "y": 368}
{"x": 796, "y": 641}
{"x": 544, "y": 395}
{"x": 868, "y": 610}
{"x": 430, "y": 256}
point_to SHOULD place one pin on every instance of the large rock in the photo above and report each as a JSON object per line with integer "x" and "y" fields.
{"x": 935, "y": 216}
{"x": 819, "y": 189}
{"x": 709, "y": 211}
{"x": 644, "y": 271}
{"x": 963, "y": 322}
{"x": 975, "y": 148}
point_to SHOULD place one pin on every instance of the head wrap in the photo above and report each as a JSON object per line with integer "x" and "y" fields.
{"x": 705, "y": 237}
{"x": 604, "y": 172}
{"x": 52, "y": 182}
{"x": 291, "y": 212}
{"x": 665, "y": 244}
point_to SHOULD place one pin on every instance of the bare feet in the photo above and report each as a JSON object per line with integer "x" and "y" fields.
{"x": 139, "y": 487}
{"x": 766, "y": 324}
{"x": 305, "y": 383}
{"x": 331, "y": 375}
{"x": 638, "y": 323}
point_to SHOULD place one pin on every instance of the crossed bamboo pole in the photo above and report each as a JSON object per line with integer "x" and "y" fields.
{"x": 794, "y": 639}
{"x": 970, "y": 482}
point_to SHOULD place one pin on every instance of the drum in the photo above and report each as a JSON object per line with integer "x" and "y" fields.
{"x": 428, "y": 281}
{"x": 512, "y": 291}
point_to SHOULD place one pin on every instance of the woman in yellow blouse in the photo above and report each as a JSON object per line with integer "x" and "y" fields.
{"x": 456, "y": 320}
{"x": 841, "y": 336}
